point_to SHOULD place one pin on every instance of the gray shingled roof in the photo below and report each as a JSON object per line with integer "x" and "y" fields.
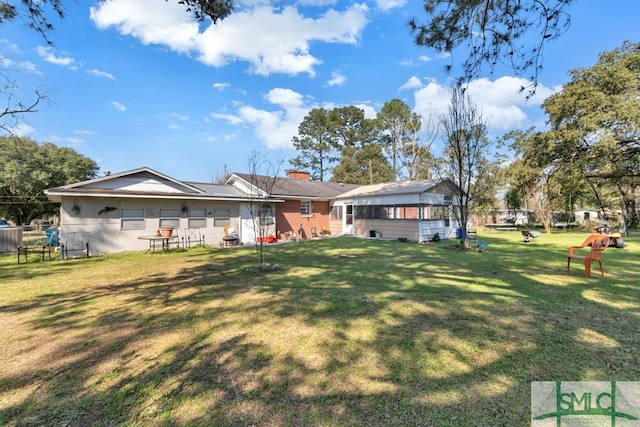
{"x": 191, "y": 190}
{"x": 387, "y": 188}
{"x": 289, "y": 187}
{"x": 218, "y": 190}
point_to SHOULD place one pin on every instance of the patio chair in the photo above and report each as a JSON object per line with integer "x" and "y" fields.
{"x": 472, "y": 234}
{"x": 598, "y": 244}
{"x": 230, "y": 236}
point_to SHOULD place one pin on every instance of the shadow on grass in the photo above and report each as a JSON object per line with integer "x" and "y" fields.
{"x": 348, "y": 332}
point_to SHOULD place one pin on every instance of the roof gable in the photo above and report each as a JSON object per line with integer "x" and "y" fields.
{"x": 143, "y": 180}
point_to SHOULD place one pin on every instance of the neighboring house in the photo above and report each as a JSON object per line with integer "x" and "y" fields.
{"x": 412, "y": 210}
{"x": 306, "y": 204}
{"x": 112, "y": 212}
{"x": 585, "y": 215}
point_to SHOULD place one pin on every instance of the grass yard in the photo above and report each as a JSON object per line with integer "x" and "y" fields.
{"x": 348, "y": 332}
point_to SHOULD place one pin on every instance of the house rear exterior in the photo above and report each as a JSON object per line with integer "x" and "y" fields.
{"x": 120, "y": 212}
{"x": 113, "y": 212}
{"x": 306, "y": 204}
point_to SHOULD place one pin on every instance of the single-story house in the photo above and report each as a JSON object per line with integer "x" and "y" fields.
{"x": 306, "y": 204}
{"x": 585, "y": 215}
{"x": 121, "y": 212}
{"x": 114, "y": 211}
{"x": 412, "y": 210}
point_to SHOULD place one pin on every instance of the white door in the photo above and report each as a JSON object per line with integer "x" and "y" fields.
{"x": 347, "y": 220}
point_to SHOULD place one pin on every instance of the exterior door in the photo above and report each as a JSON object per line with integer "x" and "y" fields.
{"x": 347, "y": 220}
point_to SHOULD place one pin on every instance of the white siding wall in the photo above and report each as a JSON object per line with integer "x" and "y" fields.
{"x": 106, "y": 234}
{"x": 247, "y": 228}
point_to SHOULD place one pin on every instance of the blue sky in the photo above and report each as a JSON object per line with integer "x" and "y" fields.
{"x": 138, "y": 83}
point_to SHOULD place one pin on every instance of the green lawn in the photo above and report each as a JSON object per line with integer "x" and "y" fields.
{"x": 347, "y": 332}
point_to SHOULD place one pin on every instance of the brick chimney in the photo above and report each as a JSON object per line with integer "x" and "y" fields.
{"x": 305, "y": 176}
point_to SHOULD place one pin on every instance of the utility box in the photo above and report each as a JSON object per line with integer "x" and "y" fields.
{"x": 10, "y": 239}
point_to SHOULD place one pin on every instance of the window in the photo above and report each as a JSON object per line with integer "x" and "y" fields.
{"x": 169, "y": 218}
{"x": 336, "y": 212}
{"x": 349, "y": 215}
{"x": 221, "y": 217}
{"x": 132, "y": 219}
{"x": 305, "y": 207}
{"x": 197, "y": 218}
{"x": 363, "y": 212}
{"x": 266, "y": 215}
{"x": 400, "y": 212}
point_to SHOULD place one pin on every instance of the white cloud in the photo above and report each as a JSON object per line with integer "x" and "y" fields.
{"x": 9, "y": 46}
{"x": 7, "y": 64}
{"x": 21, "y": 129}
{"x": 337, "y": 79}
{"x": 411, "y": 63}
{"x": 317, "y": 2}
{"x": 276, "y": 127}
{"x": 60, "y": 140}
{"x": 271, "y": 41}
{"x": 501, "y": 102}
{"x": 181, "y": 117}
{"x": 286, "y": 98}
{"x": 168, "y": 24}
{"x": 389, "y": 4}
{"x": 47, "y": 55}
{"x": 85, "y": 132}
{"x": 221, "y": 86}
{"x": 118, "y": 106}
{"x": 231, "y": 118}
{"x": 413, "y": 83}
{"x": 278, "y": 42}
{"x": 99, "y": 73}
{"x": 29, "y": 66}
{"x": 369, "y": 111}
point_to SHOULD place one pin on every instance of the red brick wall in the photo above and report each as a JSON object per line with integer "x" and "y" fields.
{"x": 288, "y": 217}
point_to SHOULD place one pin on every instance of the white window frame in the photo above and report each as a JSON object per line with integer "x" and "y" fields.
{"x": 266, "y": 215}
{"x": 306, "y": 208}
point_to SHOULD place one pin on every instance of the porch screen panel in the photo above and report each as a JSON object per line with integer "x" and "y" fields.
{"x": 363, "y": 212}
